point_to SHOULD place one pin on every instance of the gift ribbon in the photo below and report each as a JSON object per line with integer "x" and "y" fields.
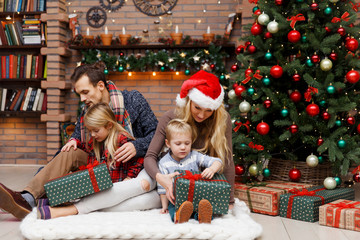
{"x": 296, "y": 18}
{"x": 256, "y": 146}
{"x": 357, "y": 169}
{"x": 90, "y": 168}
{"x": 355, "y": 6}
{"x": 340, "y": 206}
{"x": 253, "y": 1}
{"x": 310, "y": 91}
{"x": 239, "y": 124}
{"x": 248, "y": 77}
{"x": 344, "y": 17}
{"x": 303, "y": 192}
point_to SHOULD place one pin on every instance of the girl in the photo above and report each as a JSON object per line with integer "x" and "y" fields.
{"x": 106, "y": 136}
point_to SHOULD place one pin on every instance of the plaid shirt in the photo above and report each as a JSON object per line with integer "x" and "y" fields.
{"x": 121, "y": 170}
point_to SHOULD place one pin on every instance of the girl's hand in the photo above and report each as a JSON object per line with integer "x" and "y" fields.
{"x": 163, "y": 211}
{"x": 124, "y": 153}
{"x": 208, "y": 173}
{"x": 70, "y": 144}
{"x": 165, "y": 180}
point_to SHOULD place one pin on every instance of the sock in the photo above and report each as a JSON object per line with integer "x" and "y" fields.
{"x": 29, "y": 198}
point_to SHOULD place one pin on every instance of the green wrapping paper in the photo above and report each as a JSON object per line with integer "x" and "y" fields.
{"x": 215, "y": 190}
{"x": 304, "y": 205}
{"x": 78, "y": 184}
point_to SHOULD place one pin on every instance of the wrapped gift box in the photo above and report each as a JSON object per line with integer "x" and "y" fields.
{"x": 264, "y": 197}
{"x": 78, "y": 184}
{"x": 190, "y": 187}
{"x": 304, "y": 205}
{"x": 341, "y": 214}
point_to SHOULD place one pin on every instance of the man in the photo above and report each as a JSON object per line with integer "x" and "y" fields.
{"x": 131, "y": 110}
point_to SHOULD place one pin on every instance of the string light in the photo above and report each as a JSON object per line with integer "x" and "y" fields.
{"x": 130, "y": 74}
{"x": 177, "y": 73}
{"x": 154, "y": 73}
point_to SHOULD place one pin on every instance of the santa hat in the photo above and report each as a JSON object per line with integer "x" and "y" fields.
{"x": 204, "y": 89}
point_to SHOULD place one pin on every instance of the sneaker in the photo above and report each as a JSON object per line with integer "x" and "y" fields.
{"x": 184, "y": 212}
{"x": 205, "y": 211}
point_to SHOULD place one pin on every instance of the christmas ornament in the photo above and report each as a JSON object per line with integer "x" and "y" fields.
{"x": 299, "y": 1}
{"x": 331, "y": 89}
{"x": 296, "y": 77}
{"x": 235, "y": 85}
{"x": 239, "y": 50}
{"x": 106, "y": 71}
{"x": 244, "y": 107}
{"x": 268, "y": 35}
{"x": 358, "y": 128}
{"x": 263, "y": 19}
{"x": 356, "y": 177}
{"x": 314, "y": 6}
{"x": 268, "y": 56}
{"x": 239, "y": 169}
{"x": 352, "y": 76}
{"x": 330, "y": 183}
{"x": 352, "y": 44}
{"x": 212, "y": 66}
{"x": 350, "y": 120}
{"x": 251, "y": 49}
{"x": 276, "y": 71}
{"x": 187, "y": 72}
{"x": 320, "y": 141}
{"x": 295, "y": 96}
{"x": 341, "y": 144}
{"x": 284, "y": 112}
{"x": 222, "y": 77}
{"x": 293, "y": 128}
{"x": 333, "y": 56}
{"x": 325, "y": 115}
{"x": 326, "y": 64}
{"x": 273, "y": 27}
{"x": 309, "y": 63}
{"x": 338, "y": 180}
{"x": 315, "y": 58}
{"x": 341, "y": 31}
{"x": 327, "y": 11}
{"x": 266, "y": 81}
{"x": 294, "y": 36}
{"x": 248, "y": 71}
{"x": 232, "y": 94}
{"x": 257, "y": 12}
{"x": 266, "y": 172}
{"x": 263, "y": 128}
{"x": 304, "y": 39}
{"x": 239, "y": 89}
{"x": 278, "y": 2}
{"x": 327, "y": 29}
{"x": 255, "y": 9}
{"x": 253, "y": 170}
{"x": 267, "y": 103}
{"x": 294, "y": 174}
{"x": 312, "y": 109}
{"x": 321, "y": 159}
{"x": 250, "y": 91}
{"x": 322, "y": 103}
{"x": 234, "y": 67}
{"x": 338, "y": 123}
{"x": 121, "y": 54}
{"x": 256, "y": 29}
{"x": 312, "y": 160}
{"x": 121, "y": 68}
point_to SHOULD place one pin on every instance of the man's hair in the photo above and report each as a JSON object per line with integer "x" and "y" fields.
{"x": 95, "y": 73}
{"x": 177, "y": 126}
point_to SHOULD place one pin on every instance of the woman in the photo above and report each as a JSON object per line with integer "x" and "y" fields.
{"x": 200, "y": 103}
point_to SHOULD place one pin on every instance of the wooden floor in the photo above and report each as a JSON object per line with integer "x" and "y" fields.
{"x": 275, "y": 228}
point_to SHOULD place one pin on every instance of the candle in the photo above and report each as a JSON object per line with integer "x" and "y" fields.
{"x": 106, "y": 30}
{"x": 123, "y": 30}
{"x": 208, "y": 29}
{"x": 177, "y": 29}
{"x": 87, "y": 32}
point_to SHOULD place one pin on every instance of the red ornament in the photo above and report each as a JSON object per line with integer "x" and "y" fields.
{"x": 347, "y": 38}
{"x": 314, "y": 6}
{"x": 278, "y": 2}
{"x": 294, "y": 128}
{"x": 239, "y": 89}
{"x": 268, "y": 35}
{"x": 296, "y": 77}
{"x": 315, "y": 58}
{"x": 333, "y": 56}
{"x": 295, "y": 96}
{"x": 351, "y": 25}
{"x": 247, "y": 43}
{"x": 320, "y": 141}
{"x": 234, "y": 68}
{"x": 263, "y": 128}
{"x": 251, "y": 49}
{"x": 350, "y": 120}
{"x": 257, "y": 12}
{"x": 341, "y": 31}
{"x": 352, "y": 76}
{"x": 294, "y": 174}
{"x": 356, "y": 177}
{"x": 352, "y": 44}
{"x": 358, "y": 128}
{"x": 238, "y": 50}
{"x": 256, "y": 29}
{"x": 276, "y": 71}
{"x": 239, "y": 169}
{"x": 328, "y": 29}
{"x": 267, "y": 103}
{"x": 212, "y": 66}
{"x": 248, "y": 72}
{"x": 312, "y": 109}
{"x": 235, "y": 85}
{"x": 326, "y": 116}
{"x": 294, "y": 36}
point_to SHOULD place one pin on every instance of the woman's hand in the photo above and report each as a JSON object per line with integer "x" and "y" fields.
{"x": 165, "y": 180}
{"x": 70, "y": 144}
{"x": 124, "y": 153}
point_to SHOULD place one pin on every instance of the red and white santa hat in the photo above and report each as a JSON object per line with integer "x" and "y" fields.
{"x": 204, "y": 89}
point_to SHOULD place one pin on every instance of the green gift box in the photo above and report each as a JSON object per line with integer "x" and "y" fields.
{"x": 78, "y": 184}
{"x": 189, "y": 186}
{"x": 304, "y": 204}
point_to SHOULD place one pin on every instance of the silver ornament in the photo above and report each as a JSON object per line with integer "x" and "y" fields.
{"x": 273, "y": 27}
{"x": 326, "y": 64}
{"x": 312, "y": 160}
{"x": 244, "y": 107}
{"x": 253, "y": 170}
{"x": 330, "y": 183}
{"x": 231, "y": 94}
{"x": 263, "y": 19}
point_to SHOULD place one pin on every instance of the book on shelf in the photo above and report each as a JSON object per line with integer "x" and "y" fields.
{"x": 31, "y": 100}
{"x": 4, "y": 41}
{"x": 44, "y": 105}
{"x": 20, "y": 100}
{"x": 11, "y": 95}
{"x": 37, "y": 98}
{"x": 16, "y": 98}
{"x": 41, "y": 100}
{"x": 3, "y": 66}
{"x": 22, "y": 5}
{"x": 1, "y": 89}
{"x": 3, "y": 99}
{"x": 27, "y": 98}
{"x": 23, "y": 101}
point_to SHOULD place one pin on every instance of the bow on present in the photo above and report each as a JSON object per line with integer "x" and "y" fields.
{"x": 303, "y": 192}
{"x": 355, "y": 6}
{"x": 256, "y": 146}
{"x": 309, "y": 92}
{"x": 90, "y": 168}
{"x": 248, "y": 77}
{"x": 344, "y": 17}
{"x": 296, "y": 18}
{"x": 239, "y": 124}
{"x": 340, "y": 206}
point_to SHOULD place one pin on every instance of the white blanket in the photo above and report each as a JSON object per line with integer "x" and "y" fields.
{"x": 141, "y": 225}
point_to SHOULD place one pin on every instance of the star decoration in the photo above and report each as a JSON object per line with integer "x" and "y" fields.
{"x": 206, "y": 51}
{"x": 160, "y": 63}
{"x": 98, "y": 55}
{"x": 182, "y": 55}
{"x": 78, "y": 64}
{"x": 205, "y": 66}
{"x": 171, "y": 59}
{"x": 196, "y": 58}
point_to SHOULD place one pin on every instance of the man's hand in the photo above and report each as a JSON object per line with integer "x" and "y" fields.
{"x": 124, "y": 153}
{"x": 70, "y": 144}
{"x": 165, "y": 180}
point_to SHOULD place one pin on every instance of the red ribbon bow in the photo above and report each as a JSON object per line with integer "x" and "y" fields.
{"x": 248, "y": 77}
{"x": 296, "y": 18}
{"x": 303, "y": 192}
{"x": 191, "y": 176}
{"x": 253, "y": 1}
{"x": 357, "y": 169}
{"x": 242, "y": 47}
{"x": 355, "y": 6}
{"x": 309, "y": 92}
{"x": 90, "y": 165}
{"x": 256, "y": 146}
{"x": 90, "y": 168}
{"x": 239, "y": 124}
{"x": 344, "y": 17}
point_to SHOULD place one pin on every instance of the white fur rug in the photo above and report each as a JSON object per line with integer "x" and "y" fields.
{"x": 141, "y": 225}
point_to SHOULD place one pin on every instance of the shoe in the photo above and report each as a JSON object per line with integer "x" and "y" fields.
{"x": 205, "y": 211}
{"x": 13, "y": 203}
{"x": 184, "y": 212}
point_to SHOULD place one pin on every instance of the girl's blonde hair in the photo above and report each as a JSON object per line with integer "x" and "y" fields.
{"x": 100, "y": 115}
{"x": 177, "y": 126}
{"x": 215, "y": 142}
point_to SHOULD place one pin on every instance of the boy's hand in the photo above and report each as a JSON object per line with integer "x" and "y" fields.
{"x": 208, "y": 173}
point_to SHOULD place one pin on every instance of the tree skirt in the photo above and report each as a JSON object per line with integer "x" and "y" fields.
{"x": 148, "y": 224}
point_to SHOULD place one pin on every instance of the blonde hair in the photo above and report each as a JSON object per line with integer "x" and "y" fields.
{"x": 100, "y": 115}
{"x": 215, "y": 142}
{"x": 177, "y": 126}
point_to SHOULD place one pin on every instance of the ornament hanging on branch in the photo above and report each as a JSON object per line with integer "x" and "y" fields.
{"x": 352, "y": 76}
{"x": 253, "y": 170}
{"x": 263, "y": 128}
{"x": 266, "y": 172}
{"x": 239, "y": 169}
{"x": 244, "y": 107}
{"x": 320, "y": 141}
{"x": 352, "y": 44}
{"x": 326, "y": 115}
{"x": 256, "y": 29}
{"x": 312, "y": 109}
{"x": 295, "y": 96}
{"x": 273, "y": 27}
{"x": 276, "y": 71}
{"x": 294, "y": 36}
{"x": 326, "y": 64}
{"x": 312, "y": 160}
{"x": 267, "y": 103}
{"x": 350, "y": 120}
{"x": 293, "y": 128}
{"x": 263, "y": 19}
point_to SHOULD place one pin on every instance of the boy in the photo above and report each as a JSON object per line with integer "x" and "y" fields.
{"x": 181, "y": 157}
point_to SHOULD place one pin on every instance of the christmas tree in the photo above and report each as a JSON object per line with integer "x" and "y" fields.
{"x": 295, "y": 90}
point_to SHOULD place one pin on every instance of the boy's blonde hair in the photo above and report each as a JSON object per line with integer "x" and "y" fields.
{"x": 100, "y": 115}
{"x": 177, "y": 126}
